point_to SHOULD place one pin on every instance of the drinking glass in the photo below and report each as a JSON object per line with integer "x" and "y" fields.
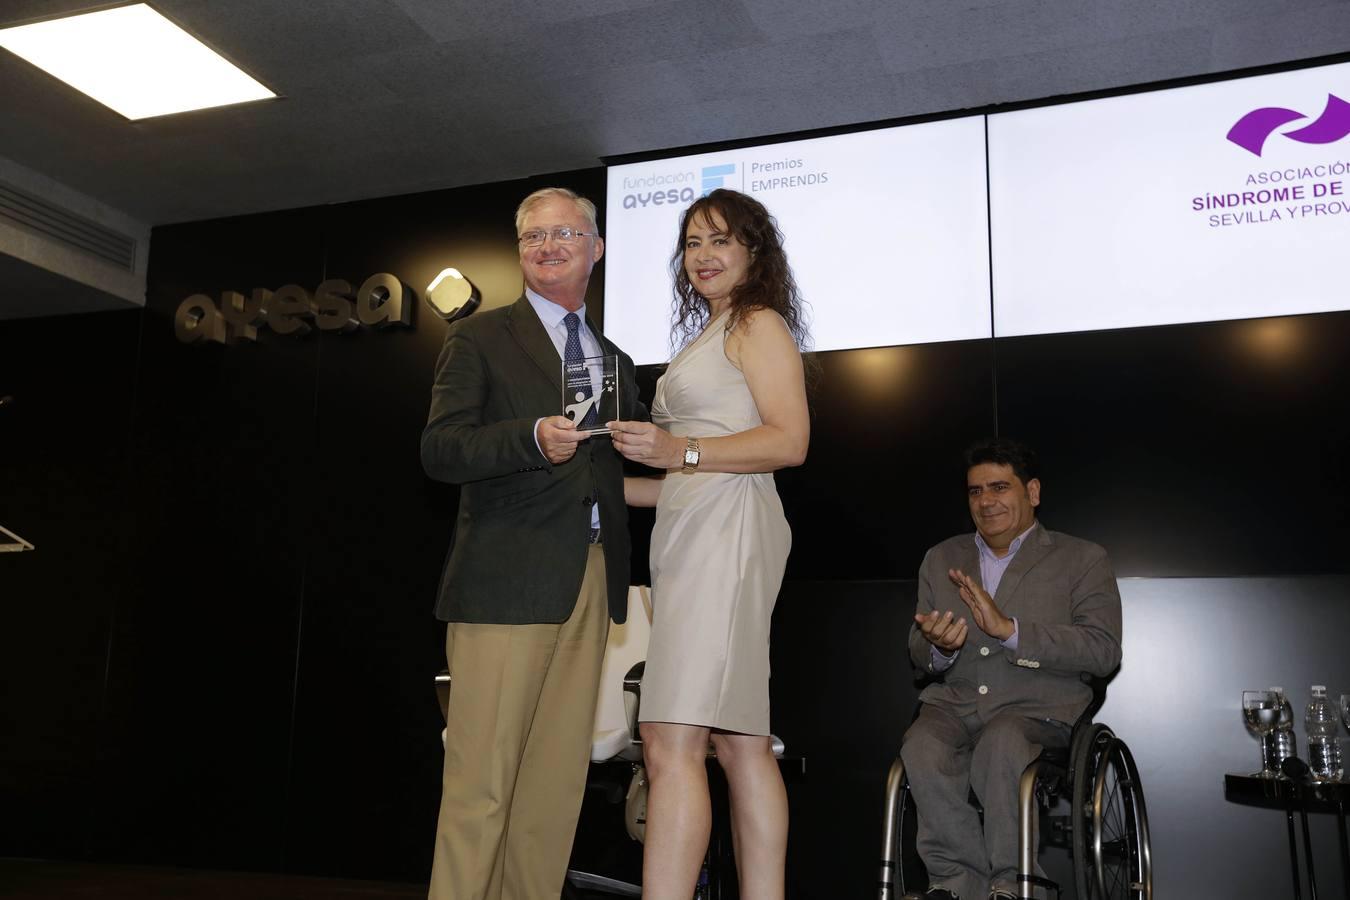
{"x": 1261, "y": 710}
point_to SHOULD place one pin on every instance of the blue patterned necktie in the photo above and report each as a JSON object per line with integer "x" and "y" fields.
{"x": 573, "y": 356}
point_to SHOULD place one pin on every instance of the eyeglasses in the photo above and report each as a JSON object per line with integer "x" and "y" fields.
{"x": 564, "y": 234}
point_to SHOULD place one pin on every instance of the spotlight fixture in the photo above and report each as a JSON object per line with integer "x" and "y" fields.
{"x": 132, "y": 60}
{"x": 452, "y": 296}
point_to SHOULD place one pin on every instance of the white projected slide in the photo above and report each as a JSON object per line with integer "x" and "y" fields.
{"x": 886, "y": 231}
{"x": 1220, "y": 201}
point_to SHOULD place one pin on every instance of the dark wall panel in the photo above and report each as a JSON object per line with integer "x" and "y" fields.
{"x": 64, "y": 486}
{"x": 842, "y": 696}
{"x": 366, "y": 726}
{"x": 203, "y": 663}
{"x": 882, "y": 480}
{"x": 1214, "y": 449}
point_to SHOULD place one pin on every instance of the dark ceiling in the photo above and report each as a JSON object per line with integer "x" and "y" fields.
{"x": 385, "y": 97}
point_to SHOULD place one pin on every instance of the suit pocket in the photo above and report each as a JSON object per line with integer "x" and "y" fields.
{"x": 511, "y": 499}
{"x": 502, "y": 493}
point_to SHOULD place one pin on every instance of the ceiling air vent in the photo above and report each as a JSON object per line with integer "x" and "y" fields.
{"x": 51, "y": 221}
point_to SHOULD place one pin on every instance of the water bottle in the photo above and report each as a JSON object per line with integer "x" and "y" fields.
{"x": 1280, "y": 743}
{"x": 1324, "y": 749}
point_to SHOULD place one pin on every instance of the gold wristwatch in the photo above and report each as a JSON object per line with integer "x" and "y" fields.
{"x": 691, "y": 454}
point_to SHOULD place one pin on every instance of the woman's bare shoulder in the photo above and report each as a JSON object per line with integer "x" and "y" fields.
{"x": 760, "y": 319}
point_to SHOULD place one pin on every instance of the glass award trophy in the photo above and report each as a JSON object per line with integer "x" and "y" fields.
{"x": 591, "y": 392}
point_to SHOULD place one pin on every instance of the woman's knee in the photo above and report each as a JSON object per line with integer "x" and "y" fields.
{"x": 667, "y": 747}
{"x": 739, "y": 751}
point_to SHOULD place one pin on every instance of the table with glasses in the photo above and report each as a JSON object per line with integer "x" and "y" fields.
{"x": 1297, "y": 798}
{"x": 1299, "y": 795}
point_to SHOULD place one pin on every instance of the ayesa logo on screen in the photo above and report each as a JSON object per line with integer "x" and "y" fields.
{"x": 659, "y": 189}
{"x": 1251, "y": 131}
{"x": 715, "y": 177}
{"x": 674, "y": 187}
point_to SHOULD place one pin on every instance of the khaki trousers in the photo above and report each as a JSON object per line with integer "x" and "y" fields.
{"x": 517, "y": 746}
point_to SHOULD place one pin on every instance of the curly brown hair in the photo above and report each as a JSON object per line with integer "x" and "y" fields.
{"x": 768, "y": 282}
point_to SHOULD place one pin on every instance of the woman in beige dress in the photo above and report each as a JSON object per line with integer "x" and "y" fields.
{"x": 729, "y": 411}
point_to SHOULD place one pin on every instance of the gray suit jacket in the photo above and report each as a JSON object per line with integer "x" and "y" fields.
{"x": 1064, "y": 595}
{"x": 519, "y": 549}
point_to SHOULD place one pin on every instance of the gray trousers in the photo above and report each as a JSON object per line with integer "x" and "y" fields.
{"x": 946, "y": 757}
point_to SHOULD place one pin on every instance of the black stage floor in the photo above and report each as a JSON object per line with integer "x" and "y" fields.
{"x": 25, "y": 879}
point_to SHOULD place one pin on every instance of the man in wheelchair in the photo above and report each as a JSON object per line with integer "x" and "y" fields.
{"x": 1008, "y": 621}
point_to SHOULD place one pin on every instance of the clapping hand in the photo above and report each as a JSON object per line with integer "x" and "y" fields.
{"x": 943, "y": 633}
{"x": 983, "y": 609}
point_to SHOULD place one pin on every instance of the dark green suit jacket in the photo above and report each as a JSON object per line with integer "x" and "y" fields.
{"x": 519, "y": 549}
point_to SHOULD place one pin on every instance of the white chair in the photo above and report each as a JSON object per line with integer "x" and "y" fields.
{"x": 615, "y": 708}
{"x": 616, "y": 738}
{"x": 615, "y": 726}
{"x": 615, "y": 733}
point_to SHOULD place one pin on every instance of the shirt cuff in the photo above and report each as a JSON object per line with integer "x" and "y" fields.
{"x": 939, "y": 661}
{"x": 1011, "y": 642}
{"x": 535, "y": 432}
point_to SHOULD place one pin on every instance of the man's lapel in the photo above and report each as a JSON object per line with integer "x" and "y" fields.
{"x": 1035, "y": 548}
{"x": 606, "y": 348}
{"x": 524, "y": 326}
{"x": 967, "y": 561}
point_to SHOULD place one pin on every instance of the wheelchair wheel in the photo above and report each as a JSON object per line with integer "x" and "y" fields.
{"x": 1111, "y": 851}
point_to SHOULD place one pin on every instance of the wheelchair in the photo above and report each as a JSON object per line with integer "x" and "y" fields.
{"x": 1107, "y": 827}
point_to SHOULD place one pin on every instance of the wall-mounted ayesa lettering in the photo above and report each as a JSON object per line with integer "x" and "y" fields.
{"x": 381, "y": 301}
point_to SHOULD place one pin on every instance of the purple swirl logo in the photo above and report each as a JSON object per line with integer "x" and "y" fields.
{"x": 1251, "y": 130}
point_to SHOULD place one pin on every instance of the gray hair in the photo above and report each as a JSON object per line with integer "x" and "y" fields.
{"x": 544, "y": 194}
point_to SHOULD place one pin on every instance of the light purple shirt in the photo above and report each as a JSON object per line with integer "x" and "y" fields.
{"x": 991, "y": 575}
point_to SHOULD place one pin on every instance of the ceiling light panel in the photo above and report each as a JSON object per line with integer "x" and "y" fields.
{"x": 134, "y": 61}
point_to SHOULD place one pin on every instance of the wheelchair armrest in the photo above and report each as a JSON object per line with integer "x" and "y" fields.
{"x": 443, "y": 693}
{"x": 632, "y": 697}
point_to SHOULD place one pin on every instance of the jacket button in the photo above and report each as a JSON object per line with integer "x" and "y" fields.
{"x": 984, "y": 651}
{"x": 586, "y": 501}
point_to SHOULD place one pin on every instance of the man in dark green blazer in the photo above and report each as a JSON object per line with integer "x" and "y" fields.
{"x": 1008, "y": 621}
{"x": 538, "y": 566}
